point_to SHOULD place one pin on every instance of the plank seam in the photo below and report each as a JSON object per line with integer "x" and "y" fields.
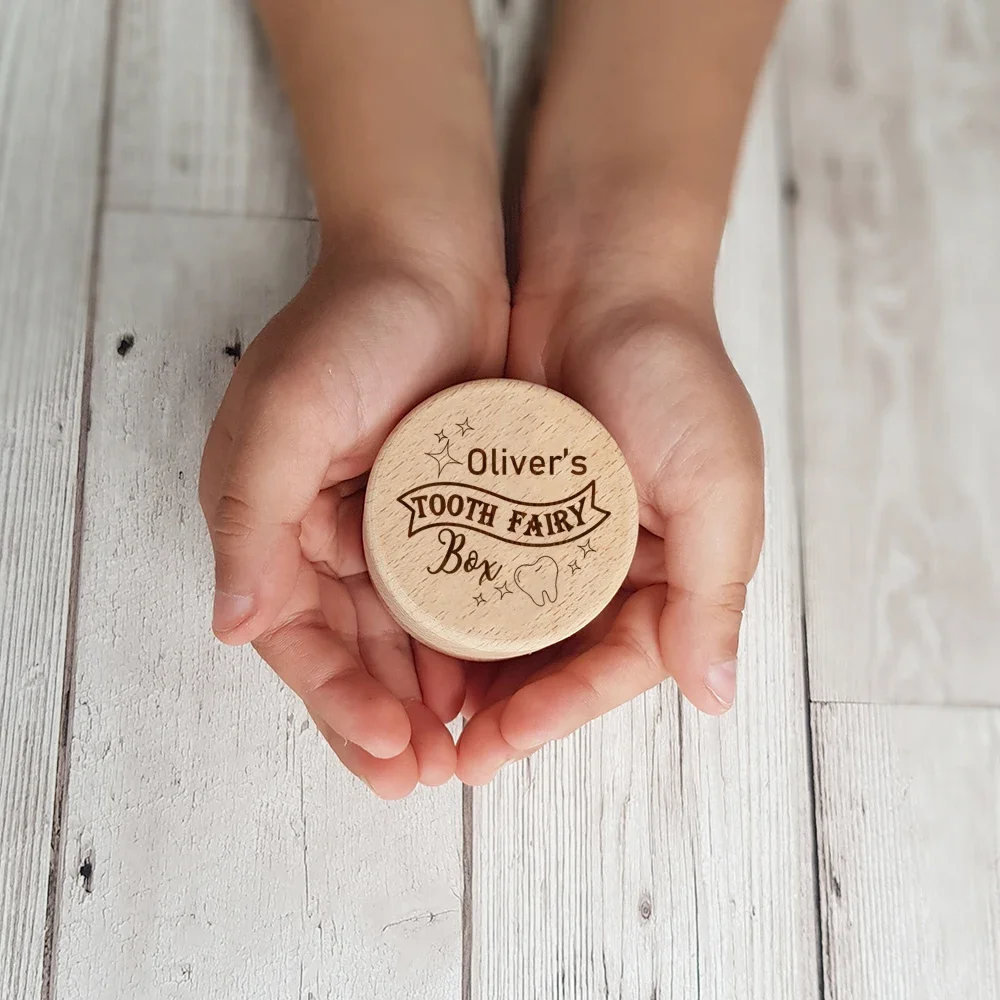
{"x": 796, "y": 408}
{"x": 944, "y": 706}
{"x": 53, "y": 897}
{"x": 467, "y": 863}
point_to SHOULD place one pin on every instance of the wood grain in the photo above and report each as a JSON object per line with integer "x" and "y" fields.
{"x": 52, "y": 59}
{"x": 895, "y": 120}
{"x": 199, "y": 123}
{"x": 659, "y": 853}
{"x": 909, "y": 804}
{"x": 500, "y": 518}
{"x": 213, "y": 845}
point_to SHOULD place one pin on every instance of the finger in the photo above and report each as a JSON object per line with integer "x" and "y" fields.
{"x": 647, "y": 564}
{"x": 511, "y": 675}
{"x": 479, "y": 678}
{"x": 387, "y": 652}
{"x": 214, "y": 460}
{"x": 311, "y": 651}
{"x": 331, "y": 537}
{"x": 621, "y": 666}
{"x": 384, "y": 646}
{"x": 482, "y": 749}
{"x": 710, "y": 553}
{"x": 279, "y": 457}
{"x": 350, "y": 487}
{"x": 442, "y": 681}
{"x": 432, "y": 744}
{"x": 394, "y": 778}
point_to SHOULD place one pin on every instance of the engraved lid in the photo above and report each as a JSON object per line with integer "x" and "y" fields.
{"x": 500, "y": 517}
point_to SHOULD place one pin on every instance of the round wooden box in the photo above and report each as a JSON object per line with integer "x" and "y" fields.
{"x": 500, "y": 517}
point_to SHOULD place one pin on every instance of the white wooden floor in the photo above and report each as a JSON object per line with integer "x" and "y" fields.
{"x": 171, "y": 826}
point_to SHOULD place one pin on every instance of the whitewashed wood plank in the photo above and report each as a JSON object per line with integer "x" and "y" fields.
{"x": 909, "y": 812}
{"x": 52, "y": 59}
{"x": 895, "y": 118}
{"x": 199, "y": 121}
{"x": 225, "y": 850}
{"x": 659, "y": 853}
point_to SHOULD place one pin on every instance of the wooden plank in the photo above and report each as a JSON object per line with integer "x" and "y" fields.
{"x": 224, "y": 850}
{"x": 199, "y": 120}
{"x": 659, "y": 853}
{"x": 52, "y": 58}
{"x": 909, "y": 810}
{"x": 200, "y": 123}
{"x": 895, "y": 115}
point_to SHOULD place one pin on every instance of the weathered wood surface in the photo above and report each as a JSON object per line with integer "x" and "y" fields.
{"x": 211, "y": 846}
{"x": 895, "y": 128}
{"x": 909, "y": 807}
{"x": 51, "y": 85}
{"x": 199, "y": 122}
{"x": 660, "y": 853}
{"x": 223, "y": 849}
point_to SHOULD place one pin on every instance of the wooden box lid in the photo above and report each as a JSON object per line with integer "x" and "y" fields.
{"x": 500, "y": 518}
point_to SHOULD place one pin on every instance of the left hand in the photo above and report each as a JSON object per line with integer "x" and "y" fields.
{"x": 613, "y": 330}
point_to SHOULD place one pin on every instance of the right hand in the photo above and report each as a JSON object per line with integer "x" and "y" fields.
{"x": 371, "y": 334}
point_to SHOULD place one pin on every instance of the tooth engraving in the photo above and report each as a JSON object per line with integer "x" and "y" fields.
{"x": 538, "y": 580}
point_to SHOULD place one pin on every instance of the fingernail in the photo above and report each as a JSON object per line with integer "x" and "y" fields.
{"x": 230, "y": 610}
{"x": 721, "y": 682}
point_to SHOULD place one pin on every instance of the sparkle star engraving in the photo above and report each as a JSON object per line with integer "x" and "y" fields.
{"x": 441, "y": 436}
{"x": 443, "y": 457}
{"x": 574, "y": 568}
{"x": 479, "y": 599}
{"x": 465, "y": 427}
{"x": 504, "y": 590}
{"x": 586, "y": 549}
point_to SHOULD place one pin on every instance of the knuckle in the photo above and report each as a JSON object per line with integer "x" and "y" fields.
{"x": 233, "y": 519}
{"x": 731, "y": 597}
{"x": 635, "y": 651}
{"x": 723, "y": 604}
{"x": 284, "y": 647}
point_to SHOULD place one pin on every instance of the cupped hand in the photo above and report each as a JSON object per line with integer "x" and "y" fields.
{"x": 370, "y": 335}
{"x": 656, "y": 374}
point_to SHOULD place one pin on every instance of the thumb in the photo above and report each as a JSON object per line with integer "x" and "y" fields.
{"x": 277, "y": 463}
{"x": 711, "y": 552}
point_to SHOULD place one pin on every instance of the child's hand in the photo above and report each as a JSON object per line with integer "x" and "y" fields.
{"x": 602, "y": 315}
{"x": 632, "y": 156}
{"x": 368, "y": 337}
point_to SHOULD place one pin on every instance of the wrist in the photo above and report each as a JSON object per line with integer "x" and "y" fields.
{"x": 458, "y": 271}
{"x": 599, "y": 271}
{"x": 617, "y": 235}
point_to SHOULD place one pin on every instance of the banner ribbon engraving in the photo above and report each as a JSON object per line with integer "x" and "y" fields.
{"x": 517, "y": 522}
